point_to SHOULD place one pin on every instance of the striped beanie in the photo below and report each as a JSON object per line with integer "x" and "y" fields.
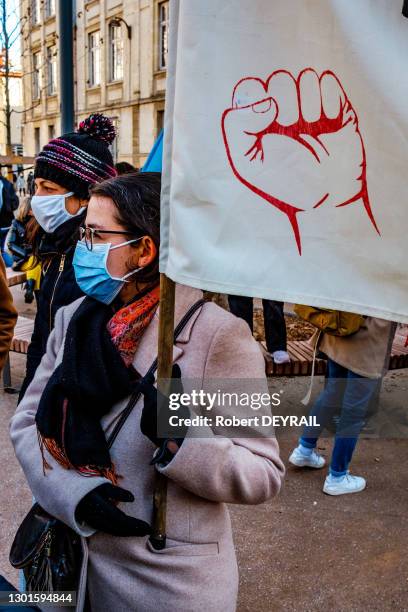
{"x": 80, "y": 159}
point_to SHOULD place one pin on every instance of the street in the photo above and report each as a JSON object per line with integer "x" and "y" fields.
{"x": 304, "y": 550}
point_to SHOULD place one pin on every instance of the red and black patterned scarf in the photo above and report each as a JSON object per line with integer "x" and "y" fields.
{"x": 95, "y": 373}
{"x": 127, "y": 326}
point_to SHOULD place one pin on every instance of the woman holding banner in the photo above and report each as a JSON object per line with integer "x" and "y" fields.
{"x": 97, "y": 356}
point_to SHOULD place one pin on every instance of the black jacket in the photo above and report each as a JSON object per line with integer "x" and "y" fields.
{"x": 58, "y": 288}
{"x": 8, "y": 203}
{"x": 17, "y": 242}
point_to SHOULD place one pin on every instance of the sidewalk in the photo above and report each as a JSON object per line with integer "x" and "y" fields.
{"x": 312, "y": 552}
{"x": 304, "y": 551}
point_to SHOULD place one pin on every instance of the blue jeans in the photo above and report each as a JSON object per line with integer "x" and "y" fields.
{"x": 346, "y": 393}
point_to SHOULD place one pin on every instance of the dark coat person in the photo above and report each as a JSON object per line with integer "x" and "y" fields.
{"x": 8, "y": 202}
{"x": 64, "y": 171}
{"x": 8, "y": 316}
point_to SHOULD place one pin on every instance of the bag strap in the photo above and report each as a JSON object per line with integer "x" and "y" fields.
{"x": 136, "y": 395}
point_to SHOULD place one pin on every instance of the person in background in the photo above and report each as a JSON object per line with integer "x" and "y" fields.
{"x": 64, "y": 171}
{"x": 274, "y": 321}
{"x": 355, "y": 368}
{"x": 16, "y": 241}
{"x": 30, "y": 183}
{"x": 21, "y": 251}
{"x": 125, "y": 168}
{"x": 98, "y": 354}
{"x": 21, "y": 185}
{"x": 8, "y": 316}
{"x": 33, "y": 283}
{"x": 8, "y": 204}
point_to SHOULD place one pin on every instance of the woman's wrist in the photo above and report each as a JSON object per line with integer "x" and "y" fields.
{"x": 172, "y": 446}
{"x": 166, "y": 451}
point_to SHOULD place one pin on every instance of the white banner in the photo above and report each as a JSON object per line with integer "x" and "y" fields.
{"x": 286, "y": 152}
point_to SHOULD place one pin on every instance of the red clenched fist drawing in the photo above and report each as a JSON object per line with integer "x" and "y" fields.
{"x": 297, "y": 143}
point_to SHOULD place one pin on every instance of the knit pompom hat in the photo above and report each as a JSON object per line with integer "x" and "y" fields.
{"x": 79, "y": 159}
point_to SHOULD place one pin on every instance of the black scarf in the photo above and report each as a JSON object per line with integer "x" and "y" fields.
{"x": 63, "y": 238}
{"x": 91, "y": 378}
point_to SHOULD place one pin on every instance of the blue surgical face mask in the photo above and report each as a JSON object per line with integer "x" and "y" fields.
{"x": 50, "y": 211}
{"x": 92, "y": 274}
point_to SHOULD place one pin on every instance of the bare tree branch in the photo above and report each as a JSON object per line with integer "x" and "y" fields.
{"x": 11, "y": 42}
{"x": 18, "y": 25}
{"x": 25, "y": 110}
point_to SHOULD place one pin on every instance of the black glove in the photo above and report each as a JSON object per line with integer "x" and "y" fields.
{"x": 156, "y": 410}
{"x": 29, "y": 291}
{"x": 99, "y": 511}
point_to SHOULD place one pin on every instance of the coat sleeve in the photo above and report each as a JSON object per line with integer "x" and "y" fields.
{"x": 230, "y": 465}
{"x": 34, "y": 356}
{"x": 11, "y": 236}
{"x": 57, "y": 490}
{"x": 8, "y": 315}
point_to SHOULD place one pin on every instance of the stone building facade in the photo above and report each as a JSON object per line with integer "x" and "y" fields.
{"x": 120, "y": 58}
{"x": 16, "y": 101}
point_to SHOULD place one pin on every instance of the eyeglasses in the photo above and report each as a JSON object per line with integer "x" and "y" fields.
{"x": 88, "y": 234}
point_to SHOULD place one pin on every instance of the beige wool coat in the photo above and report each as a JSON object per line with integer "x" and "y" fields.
{"x": 197, "y": 570}
{"x": 366, "y": 352}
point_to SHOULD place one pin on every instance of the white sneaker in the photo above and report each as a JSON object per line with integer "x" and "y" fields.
{"x": 341, "y": 486}
{"x": 280, "y": 357}
{"x": 314, "y": 460}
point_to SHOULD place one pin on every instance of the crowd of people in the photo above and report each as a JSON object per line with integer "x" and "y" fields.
{"x": 89, "y": 239}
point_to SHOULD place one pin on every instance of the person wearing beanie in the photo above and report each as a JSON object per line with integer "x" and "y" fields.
{"x": 64, "y": 171}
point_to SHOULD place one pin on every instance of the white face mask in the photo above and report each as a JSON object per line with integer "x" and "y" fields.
{"x": 50, "y": 211}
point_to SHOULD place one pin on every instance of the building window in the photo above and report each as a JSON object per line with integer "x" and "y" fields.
{"x": 163, "y": 34}
{"x": 36, "y": 76}
{"x": 115, "y": 52}
{"x": 49, "y": 8}
{"x": 17, "y": 149}
{"x": 94, "y": 59}
{"x": 51, "y": 70}
{"x": 37, "y": 140}
{"x": 35, "y": 11}
{"x": 51, "y": 132}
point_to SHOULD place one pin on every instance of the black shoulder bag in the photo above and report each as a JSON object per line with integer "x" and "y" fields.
{"x": 46, "y": 549}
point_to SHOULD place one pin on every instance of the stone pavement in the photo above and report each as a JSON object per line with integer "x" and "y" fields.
{"x": 303, "y": 551}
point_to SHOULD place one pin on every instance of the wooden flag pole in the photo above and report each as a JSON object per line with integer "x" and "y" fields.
{"x": 164, "y": 371}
